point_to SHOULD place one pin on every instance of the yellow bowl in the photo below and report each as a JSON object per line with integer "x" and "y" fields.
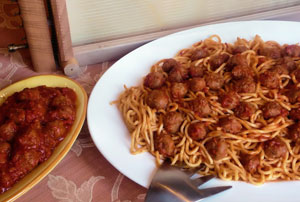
{"x": 62, "y": 149}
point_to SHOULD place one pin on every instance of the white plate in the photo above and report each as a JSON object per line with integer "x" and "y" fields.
{"x": 112, "y": 137}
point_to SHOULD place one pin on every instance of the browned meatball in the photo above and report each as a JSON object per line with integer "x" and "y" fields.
{"x": 244, "y": 110}
{"x": 289, "y": 63}
{"x": 4, "y": 152}
{"x": 17, "y": 115}
{"x": 169, "y": 64}
{"x": 217, "y": 148}
{"x": 217, "y": 60}
{"x": 295, "y": 114}
{"x": 8, "y": 130}
{"x": 164, "y": 144}
{"x": 172, "y": 121}
{"x": 214, "y": 81}
{"x": 196, "y": 71}
{"x": 293, "y": 95}
{"x": 297, "y": 74}
{"x": 179, "y": 90}
{"x": 197, "y": 131}
{"x": 239, "y": 49}
{"x": 292, "y": 50}
{"x": 271, "y": 51}
{"x": 178, "y": 74}
{"x": 200, "y": 106}
{"x": 280, "y": 69}
{"x": 230, "y": 100}
{"x": 239, "y": 72}
{"x": 269, "y": 79}
{"x": 230, "y": 125}
{"x": 157, "y": 99}
{"x": 154, "y": 80}
{"x": 273, "y": 109}
{"x": 199, "y": 54}
{"x": 239, "y": 60}
{"x": 197, "y": 84}
{"x": 250, "y": 162}
{"x": 244, "y": 85}
{"x": 294, "y": 132}
{"x": 275, "y": 148}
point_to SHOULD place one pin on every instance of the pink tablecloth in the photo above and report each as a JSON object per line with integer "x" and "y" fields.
{"x": 83, "y": 175}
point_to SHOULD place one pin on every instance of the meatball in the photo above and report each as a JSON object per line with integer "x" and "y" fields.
{"x": 244, "y": 85}
{"x": 230, "y": 125}
{"x": 164, "y": 144}
{"x": 169, "y": 64}
{"x": 239, "y": 49}
{"x": 238, "y": 60}
{"x": 172, "y": 121}
{"x": 197, "y": 84}
{"x": 289, "y": 63}
{"x": 8, "y": 130}
{"x": 197, "y": 131}
{"x": 250, "y": 162}
{"x": 196, "y": 71}
{"x": 217, "y": 148}
{"x": 269, "y": 79}
{"x": 273, "y": 109}
{"x": 280, "y": 69}
{"x": 270, "y": 50}
{"x": 217, "y": 60}
{"x": 297, "y": 74}
{"x": 4, "y": 152}
{"x": 230, "y": 100}
{"x": 292, "y": 50}
{"x": 157, "y": 99}
{"x": 199, "y": 54}
{"x": 295, "y": 114}
{"x": 293, "y": 95}
{"x": 244, "y": 110}
{"x": 179, "y": 90}
{"x": 214, "y": 81}
{"x": 294, "y": 132}
{"x": 200, "y": 106}
{"x": 275, "y": 148}
{"x": 154, "y": 80}
{"x": 178, "y": 74}
{"x": 239, "y": 72}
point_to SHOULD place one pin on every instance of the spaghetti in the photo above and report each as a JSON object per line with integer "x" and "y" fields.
{"x": 228, "y": 109}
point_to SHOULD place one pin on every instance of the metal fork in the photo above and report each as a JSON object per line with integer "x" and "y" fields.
{"x": 171, "y": 183}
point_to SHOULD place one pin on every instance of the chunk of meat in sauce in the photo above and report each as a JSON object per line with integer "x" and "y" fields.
{"x": 178, "y": 74}
{"x": 35, "y": 111}
{"x": 200, "y": 106}
{"x": 66, "y": 113}
{"x": 197, "y": 131}
{"x": 279, "y": 69}
{"x": 30, "y": 138}
{"x": 217, "y": 60}
{"x": 250, "y": 162}
{"x": 229, "y": 100}
{"x": 239, "y": 49}
{"x": 270, "y": 50}
{"x": 199, "y": 54}
{"x": 164, "y": 144}
{"x": 289, "y": 63}
{"x": 169, "y": 64}
{"x": 196, "y": 71}
{"x": 292, "y": 50}
{"x": 157, "y": 99}
{"x": 4, "y": 152}
{"x": 294, "y": 132}
{"x": 56, "y": 129}
{"x": 172, "y": 121}
{"x": 238, "y": 60}
{"x": 269, "y": 79}
{"x": 230, "y": 125}
{"x": 179, "y": 90}
{"x": 295, "y": 114}
{"x": 273, "y": 109}
{"x": 217, "y": 148}
{"x": 29, "y": 94}
{"x": 294, "y": 95}
{"x": 8, "y": 130}
{"x": 239, "y": 72}
{"x": 244, "y": 110}
{"x": 17, "y": 115}
{"x": 154, "y": 80}
{"x": 214, "y": 81}
{"x": 297, "y": 74}
{"x": 197, "y": 84}
{"x": 275, "y": 148}
{"x": 244, "y": 85}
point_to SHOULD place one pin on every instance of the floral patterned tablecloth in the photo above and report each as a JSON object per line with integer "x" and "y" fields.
{"x": 84, "y": 175}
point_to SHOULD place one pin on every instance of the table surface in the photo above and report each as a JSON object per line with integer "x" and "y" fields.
{"x": 84, "y": 175}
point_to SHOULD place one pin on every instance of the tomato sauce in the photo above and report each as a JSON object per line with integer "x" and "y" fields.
{"x": 32, "y": 123}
